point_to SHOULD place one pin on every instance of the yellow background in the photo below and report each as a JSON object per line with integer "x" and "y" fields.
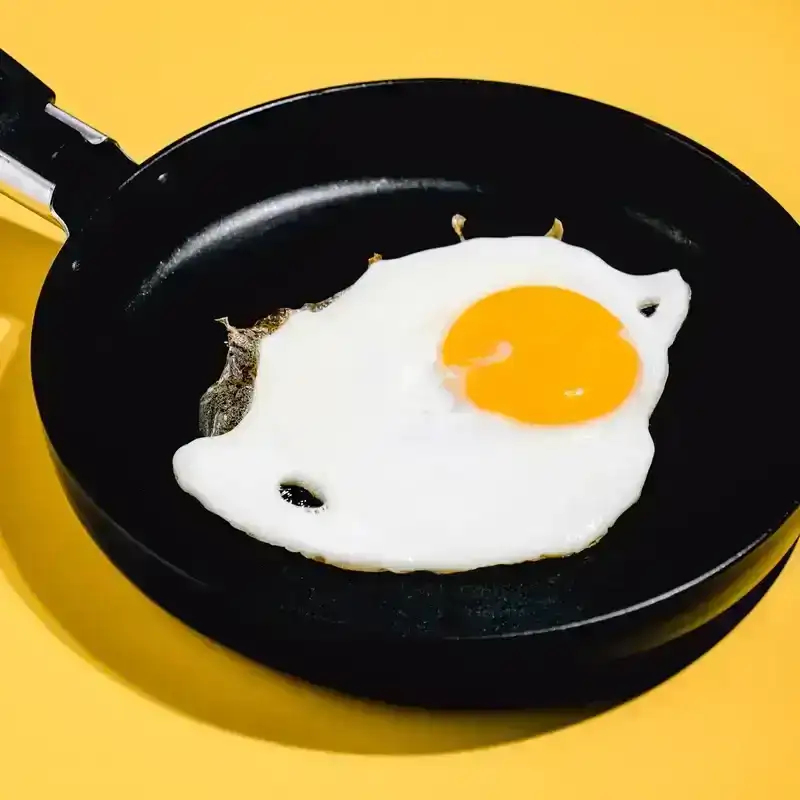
{"x": 101, "y": 694}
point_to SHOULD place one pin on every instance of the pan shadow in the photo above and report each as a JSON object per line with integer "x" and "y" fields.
{"x": 74, "y": 590}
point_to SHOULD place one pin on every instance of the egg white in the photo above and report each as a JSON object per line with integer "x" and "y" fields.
{"x": 350, "y": 401}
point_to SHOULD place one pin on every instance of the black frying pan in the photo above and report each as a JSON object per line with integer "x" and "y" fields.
{"x": 283, "y": 204}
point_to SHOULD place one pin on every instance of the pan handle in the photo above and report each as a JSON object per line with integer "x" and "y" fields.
{"x": 51, "y": 162}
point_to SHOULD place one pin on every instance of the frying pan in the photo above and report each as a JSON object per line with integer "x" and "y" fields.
{"x": 282, "y": 204}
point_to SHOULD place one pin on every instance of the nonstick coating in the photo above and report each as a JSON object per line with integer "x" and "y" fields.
{"x": 283, "y": 205}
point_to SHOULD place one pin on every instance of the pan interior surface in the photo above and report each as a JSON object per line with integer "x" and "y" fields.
{"x": 283, "y": 206}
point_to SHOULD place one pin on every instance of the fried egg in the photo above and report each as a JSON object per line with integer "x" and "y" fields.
{"x": 472, "y": 405}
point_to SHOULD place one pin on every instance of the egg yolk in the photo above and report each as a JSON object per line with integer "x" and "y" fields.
{"x": 541, "y": 355}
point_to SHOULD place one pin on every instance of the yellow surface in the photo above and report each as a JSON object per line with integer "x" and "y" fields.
{"x": 101, "y": 694}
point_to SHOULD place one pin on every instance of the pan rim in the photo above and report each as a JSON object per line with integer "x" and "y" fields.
{"x": 379, "y": 83}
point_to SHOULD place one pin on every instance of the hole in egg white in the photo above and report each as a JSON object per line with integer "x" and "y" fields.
{"x": 300, "y": 494}
{"x": 649, "y": 307}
